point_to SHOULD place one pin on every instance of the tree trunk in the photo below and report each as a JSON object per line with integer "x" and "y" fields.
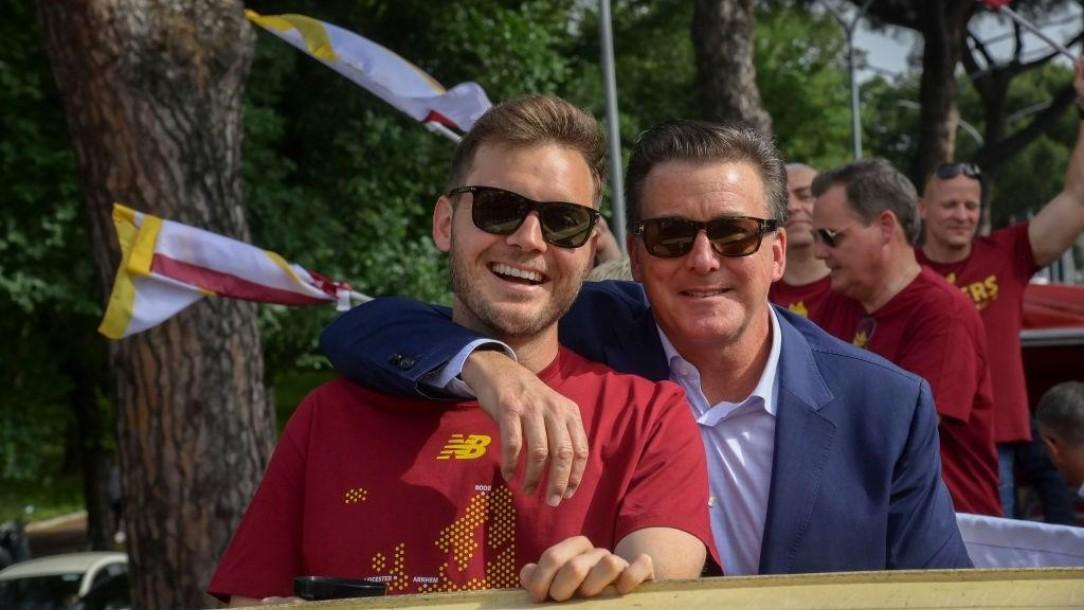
{"x": 944, "y": 27}
{"x": 722, "y": 33}
{"x": 152, "y": 92}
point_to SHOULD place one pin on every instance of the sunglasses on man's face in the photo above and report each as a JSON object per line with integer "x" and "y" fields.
{"x": 501, "y": 212}
{"x": 673, "y": 236}
{"x": 948, "y": 171}
{"x": 829, "y": 237}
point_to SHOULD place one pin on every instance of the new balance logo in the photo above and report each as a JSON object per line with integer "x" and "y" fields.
{"x": 465, "y": 448}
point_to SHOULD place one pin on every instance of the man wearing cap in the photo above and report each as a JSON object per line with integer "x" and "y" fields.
{"x": 993, "y": 270}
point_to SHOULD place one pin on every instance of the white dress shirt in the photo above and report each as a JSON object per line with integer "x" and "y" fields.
{"x": 739, "y": 443}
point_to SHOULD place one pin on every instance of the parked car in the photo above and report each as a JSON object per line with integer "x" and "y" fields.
{"x": 110, "y": 594}
{"x": 58, "y": 581}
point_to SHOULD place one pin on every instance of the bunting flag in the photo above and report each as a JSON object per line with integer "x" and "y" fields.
{"x": 385, "y": 74}
{"x": 166, "y": 266}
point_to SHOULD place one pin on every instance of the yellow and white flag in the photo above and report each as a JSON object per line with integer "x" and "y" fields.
{"x": 166, "y": 266}
{"x": 387, "y": 75}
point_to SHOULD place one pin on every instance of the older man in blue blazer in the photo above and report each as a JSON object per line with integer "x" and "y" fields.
{"x": 821, "y": 457}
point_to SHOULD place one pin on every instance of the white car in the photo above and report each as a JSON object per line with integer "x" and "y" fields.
{"x": 58, "y": 581}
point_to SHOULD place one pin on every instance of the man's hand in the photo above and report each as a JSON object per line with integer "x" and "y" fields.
{"x": 574, "y": 566}
{"x": 530, "y": 413}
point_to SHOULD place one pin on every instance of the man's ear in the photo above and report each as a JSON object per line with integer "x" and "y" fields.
{"x": 779, "y": 254}
{"x": 443, "y": 215}
{"x": 889, "y": 224}
{"x": 1053, "y": 446}
{"x": 922, "y": 208}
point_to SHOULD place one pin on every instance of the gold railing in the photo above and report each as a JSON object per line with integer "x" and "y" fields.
{"x": 1045, "y": 588}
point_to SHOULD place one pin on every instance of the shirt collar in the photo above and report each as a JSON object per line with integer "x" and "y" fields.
{"x": 767, "y": 388}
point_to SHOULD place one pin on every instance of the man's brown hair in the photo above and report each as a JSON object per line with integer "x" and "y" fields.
{"x": 534, "y": 121}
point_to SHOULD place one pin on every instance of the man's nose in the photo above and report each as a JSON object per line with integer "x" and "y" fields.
{"x": 702, "y": 258}
{"x": 529, "y": 234}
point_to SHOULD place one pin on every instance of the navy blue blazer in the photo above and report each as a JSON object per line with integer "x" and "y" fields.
{"x": 856, "y": 479}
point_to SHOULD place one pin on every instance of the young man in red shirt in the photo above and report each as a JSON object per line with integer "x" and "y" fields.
{"x": 410, "y": 492}
{"x": 805, "y": 288}
{"x": 866, "y": 222}
{"x": 992, "y": 271}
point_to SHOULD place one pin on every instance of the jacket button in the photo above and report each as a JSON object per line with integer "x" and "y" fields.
{"x": 406, "y": 363}
{"x": 395, "y": 359}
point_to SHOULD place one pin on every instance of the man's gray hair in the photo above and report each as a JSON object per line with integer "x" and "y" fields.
{"x": 1061, "y": 412}
{"x": 703, "y": 142}
{"x": 873, "y": 186}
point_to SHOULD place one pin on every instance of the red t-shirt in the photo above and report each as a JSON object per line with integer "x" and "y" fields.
{"x": 994, "y": 277}
{"x": 930, "y": 329}
{"x": 409, "y": 492}
{"x": 806, "y": 300}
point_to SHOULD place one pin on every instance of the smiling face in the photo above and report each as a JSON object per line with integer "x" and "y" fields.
{"x": 855, "y": 261}
{"x": 800, "y": 198}
{"x": 702, "y": 300}
{"x": 515, "y": 286}
{"x": 950, "y": 210}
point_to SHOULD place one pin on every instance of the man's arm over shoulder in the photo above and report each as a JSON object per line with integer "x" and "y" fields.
{"x": 922, "y": 530}
{"x": 1061, "y": 220}
{"x": 391, "y": 343}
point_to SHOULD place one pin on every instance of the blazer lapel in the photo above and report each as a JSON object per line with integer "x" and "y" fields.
{"x": 803, "y": 443}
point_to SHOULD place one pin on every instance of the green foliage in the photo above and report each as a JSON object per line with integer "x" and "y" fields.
{"x": 802, "y": 77}
{"x": 48, "y": 294}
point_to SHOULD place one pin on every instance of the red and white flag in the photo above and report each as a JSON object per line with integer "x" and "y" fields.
{"x": 381, "y": 71}
{"x": 166, "y": 266}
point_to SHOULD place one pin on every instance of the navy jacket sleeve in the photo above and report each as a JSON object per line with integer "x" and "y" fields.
{"x": 390, "y": 343}
{"x": 923, "y": 533}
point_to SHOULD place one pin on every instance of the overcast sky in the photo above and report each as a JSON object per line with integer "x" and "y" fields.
{"x": 887, "y": 52}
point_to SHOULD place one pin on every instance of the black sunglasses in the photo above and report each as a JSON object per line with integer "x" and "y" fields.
{"x": 501, "y": 212}
{"x": 829, "y": 237}
{"x": 673, "y": 236}
{"x": 948, "y": 171}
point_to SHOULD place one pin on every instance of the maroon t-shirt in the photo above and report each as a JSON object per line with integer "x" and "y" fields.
{"x": 994, "y": 277}
{"x": 930, "y": 329}
{"x": 410, "y": 493}
{"x": 806, "y": 300}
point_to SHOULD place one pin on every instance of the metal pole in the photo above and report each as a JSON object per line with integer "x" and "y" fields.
{"x": 1035, "y": 30}
{"x": 613, "y": 133}
{"x": 856, "y": 120}
{"x": 852, "y": 66}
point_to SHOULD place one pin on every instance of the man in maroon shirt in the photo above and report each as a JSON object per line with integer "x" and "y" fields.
{"x": 409, "y": 493}
{"x": 865, "y": 222}
{"x": 805, "y": 286}
{"x": 992, "y": 271}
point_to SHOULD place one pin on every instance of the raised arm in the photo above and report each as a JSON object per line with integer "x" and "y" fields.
{"x": 1058, "y": 224}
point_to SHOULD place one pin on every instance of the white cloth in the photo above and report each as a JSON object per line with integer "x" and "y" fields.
{"x": 739, "y": 444}
{"x": 993, "y": 542}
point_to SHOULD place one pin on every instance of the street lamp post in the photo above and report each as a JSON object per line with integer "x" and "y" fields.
{"x": 849, "y": 27}
{"x": 617, "y": 190}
